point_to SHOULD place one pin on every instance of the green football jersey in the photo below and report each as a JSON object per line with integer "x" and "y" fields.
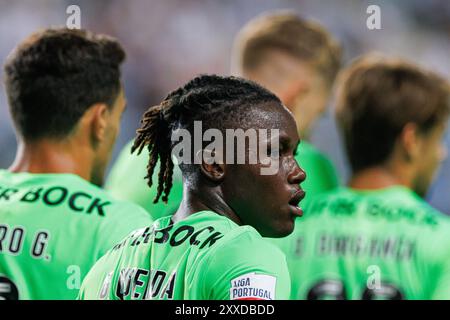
{"x": 384, "y": 244}
{"x": 53, "y": 227}
{"x": 205, "y": 256}
{"x": 126, "y": 182}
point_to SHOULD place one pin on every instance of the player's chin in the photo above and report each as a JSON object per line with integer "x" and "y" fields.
{"x": 282, "y": 227}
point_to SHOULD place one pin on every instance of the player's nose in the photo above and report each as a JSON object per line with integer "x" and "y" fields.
{"x": 297, "y": 176}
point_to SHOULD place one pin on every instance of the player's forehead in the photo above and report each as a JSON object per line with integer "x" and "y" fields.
{"x": 277, "y": 122}
{"x": 268, "y": 115}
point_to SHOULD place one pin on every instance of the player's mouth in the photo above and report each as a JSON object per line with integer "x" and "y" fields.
{"x": 295, "y": 201}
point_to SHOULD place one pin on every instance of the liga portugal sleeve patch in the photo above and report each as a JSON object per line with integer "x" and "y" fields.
{"x": 252, "y": 286}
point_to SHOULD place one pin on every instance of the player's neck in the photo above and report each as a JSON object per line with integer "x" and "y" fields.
{"x": 49, "y": 157}
{"x": 200, "y": 200}
{"x": 377, "y": 178}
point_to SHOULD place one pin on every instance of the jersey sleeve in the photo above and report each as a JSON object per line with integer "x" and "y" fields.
{"x": 125, "y": 219}
{"x": 245, "y": 268}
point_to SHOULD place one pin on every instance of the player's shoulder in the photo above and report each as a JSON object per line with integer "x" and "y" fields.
{"x": 415, "y": 209}
{"x": 115, "y": 215}
{"x": 105, "y": 204}
{"x": 246, "y": 243}
{"x": 230, "y": 230}
{"x": 252, "y": 264}
{"x": 433, "y": 236}
{"x": 328, "y": 197}
{"x": 395, "y": 204}
{"x": 433, "y": 217}
{"x": 62, "y": 189}
{"x": 224, "y": 234}
{"x": 126, "y": 246}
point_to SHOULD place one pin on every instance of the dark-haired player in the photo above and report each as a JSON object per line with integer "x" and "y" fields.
{"x": 295, "y": 58}
{"x": 66, "y": 101}
{"x": 377, "y": 238}
{"x": 212, "y": 247}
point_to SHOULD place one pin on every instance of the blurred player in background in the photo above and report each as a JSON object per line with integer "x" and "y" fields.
{"x": 126, "y": 181}
{"x": 377, "y": 238}
{"x": 66, "y": 101}
{"x": 211, "y": 248}
{"x": 298, "y": 60}
{"x": 295, "y": 58}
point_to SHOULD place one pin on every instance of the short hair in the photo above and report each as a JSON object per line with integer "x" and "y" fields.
{"x": 55, "y": 75}
{"x": 215, "y": 100}
{"x": 377, "y": 96}
{"x": 286, "y": 31}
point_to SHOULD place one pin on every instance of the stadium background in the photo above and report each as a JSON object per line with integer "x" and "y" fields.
{"x": 168, "y": 42}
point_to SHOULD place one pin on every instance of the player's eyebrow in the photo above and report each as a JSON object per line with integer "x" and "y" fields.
{"x": 285, "y": 140}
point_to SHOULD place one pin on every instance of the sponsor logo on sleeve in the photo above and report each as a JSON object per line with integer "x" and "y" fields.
{"x": 252, "y": 286}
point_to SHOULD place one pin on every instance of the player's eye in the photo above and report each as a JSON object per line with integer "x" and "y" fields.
{"x": 285, "y": 149}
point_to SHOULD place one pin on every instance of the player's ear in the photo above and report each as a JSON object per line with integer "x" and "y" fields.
{"x": 211, "y": 166}
{"x": 411, "y": 141}
{"x": 99, "y": 114}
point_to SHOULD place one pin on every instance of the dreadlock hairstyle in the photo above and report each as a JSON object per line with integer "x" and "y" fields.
{"x": 212, "y": 99}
